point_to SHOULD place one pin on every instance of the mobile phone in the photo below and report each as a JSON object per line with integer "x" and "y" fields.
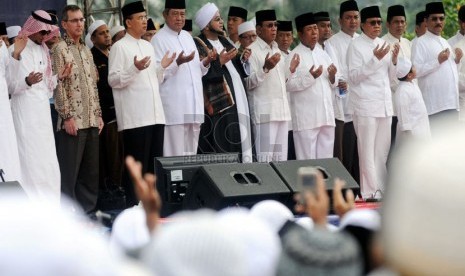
{"x": 306, "y": 178}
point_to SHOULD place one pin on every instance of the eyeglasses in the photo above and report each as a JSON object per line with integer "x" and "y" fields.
{"x": 44, "y": 32}
{"x": 270, "y": 25}
{"x": 438, "y": 18}
{"x": 248, "y": 37}
{"x": 375, "y": 22}
{"x": 76, "y": 20}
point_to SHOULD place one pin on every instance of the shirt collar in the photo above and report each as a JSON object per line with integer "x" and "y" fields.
{"x": 263, "y": 45}
{"x": 70, "y": 41}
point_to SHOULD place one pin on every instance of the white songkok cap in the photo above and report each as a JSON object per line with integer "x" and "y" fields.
{"x": 116, "y": 29}
{"x": 94, "y": 26}
{"x": 273, "y": 213}
{"x": 13, "y": 31}
{"x": 205, "y": 15}
{"x": 366, "y": 218}
{"x": 245, "y": 27}
{"x": 404, "y": 66}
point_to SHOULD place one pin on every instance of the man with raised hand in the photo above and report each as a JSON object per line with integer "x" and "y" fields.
{"x": 371, "y": 66}
{"x": 134, "y": 77}
{"x": 436, "y": 64}
{"x": 345, "y": 143}
{"x": 181, "y": 90}
{"x": 310, "y": 89}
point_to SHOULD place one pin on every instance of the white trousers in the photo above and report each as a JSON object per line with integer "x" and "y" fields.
{"x": 181, "y": 140}
{"x": 271, "y": 141}
{"x": 314, "y": 143}
{"x": 373, "y": 141}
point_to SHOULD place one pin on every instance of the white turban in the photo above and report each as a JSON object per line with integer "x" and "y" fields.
{"x": 403, "y": 67}
{"x": 94, "y": 26}
{"x": 116, "y": 29}
{"x": 13, "y": 31}
{"x": 205, "y": 15}
{"x": 245, "y": 27}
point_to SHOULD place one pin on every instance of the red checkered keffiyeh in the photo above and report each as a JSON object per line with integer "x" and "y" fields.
{"x": 41, "y": 21}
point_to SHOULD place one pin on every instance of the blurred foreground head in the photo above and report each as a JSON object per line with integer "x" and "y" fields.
{"x": 423, "y": 222}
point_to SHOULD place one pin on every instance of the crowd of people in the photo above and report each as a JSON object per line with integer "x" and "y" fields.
{"x": 77, "y": 112}
{"x": 150, "y": 90}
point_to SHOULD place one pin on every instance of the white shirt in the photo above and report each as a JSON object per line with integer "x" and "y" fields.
{"x": 340, "y": 43}
{"x": 405, "y": 51}
{"x": 455, "y": 39}
{"x": 370, "y": 78}
{"x": 411, "y": 111}
{"x": 437, "y": 82}
{"x": 461, "y": 69}
{"x": 181, "y": 90}
{"x": 136, "y": 93}
{"x": 267, "y": 91}
{"x": 337, "y": 98}
{"x": 311, "y": 99}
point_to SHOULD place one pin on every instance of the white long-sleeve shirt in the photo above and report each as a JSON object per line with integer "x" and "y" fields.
{"x": 411, "y": 109}
{"x": 136, "y": 93}
{"x": 311, "y": 99}
{"x": 405, "y": 51}
{"x": 455, "y": 39}
{"x": 266, "y": 92}
{"x": 181, "y": 90}
{"x": 369, "y": 78}
{"x": 438, "y": 82}
{"x": 340, "y": 44}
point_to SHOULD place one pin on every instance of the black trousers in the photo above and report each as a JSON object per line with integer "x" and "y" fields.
{"x": 79, "y": 165}
{"x": 144, "y": 144}
{"x": 350, "y": 151}
{"x": 111, "y": 156}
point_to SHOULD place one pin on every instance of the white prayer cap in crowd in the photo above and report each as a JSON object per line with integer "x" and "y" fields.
{"x": 365, "y": 218}
{"x": 423, "y": 207}
{"x": 94, "y": 26}
{"x": 205, "y": 15}
{"x": 261, "y": 242}
{"x": 273, "y": 213}
{"x": 43, "y": 239}
{"x": 130, "y": 231}
{"x": 13, "y": 31}
{"x": 245, "y": 27}
{"x": 116, "y": 29}
{"x": 195, "y": 244}
{"x": 404, "y": 65}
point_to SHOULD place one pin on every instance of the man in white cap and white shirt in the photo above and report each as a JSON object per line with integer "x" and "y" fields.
{"x": 116, "y": 33}
{"x": 31, "y": 109}
{"x": 12, "y": 32}
{"x": 227, "y": 130}
{"x": 135, "y": 76}
{"x": 181, "y": 90}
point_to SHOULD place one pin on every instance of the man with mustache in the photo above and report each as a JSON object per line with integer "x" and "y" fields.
{"x": 436, "y": 64}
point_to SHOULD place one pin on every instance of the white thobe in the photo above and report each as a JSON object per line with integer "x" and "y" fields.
{"x": 405, "y": 51}
{"x": 136, "y": 93}
{"x": 9, "y": 157}
{"x": 371, "y": 106}
{"x": 30, "y": 106}
{"x": 181, "y": 92}
{"x": 461, "y": 45}
{"x": 411, "y": 112}
{"x": 311, "y": 99}
{"x": 438, "y": 82}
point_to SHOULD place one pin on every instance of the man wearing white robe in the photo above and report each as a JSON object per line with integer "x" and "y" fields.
{"x": 9, "y": 158}
{"x": 31, "y": 90}
{"x": 181, "y": 90}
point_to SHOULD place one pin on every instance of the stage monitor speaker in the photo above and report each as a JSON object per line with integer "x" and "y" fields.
{"x": 225, "y": 185}
{"x": 175, "y": 173}
{"x": 331, "y": 168}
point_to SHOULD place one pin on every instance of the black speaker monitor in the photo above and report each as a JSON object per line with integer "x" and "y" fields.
{"x": 331, "y": 169}
{"x": 225, "y": 185}
{"x": 175, "y": 173}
